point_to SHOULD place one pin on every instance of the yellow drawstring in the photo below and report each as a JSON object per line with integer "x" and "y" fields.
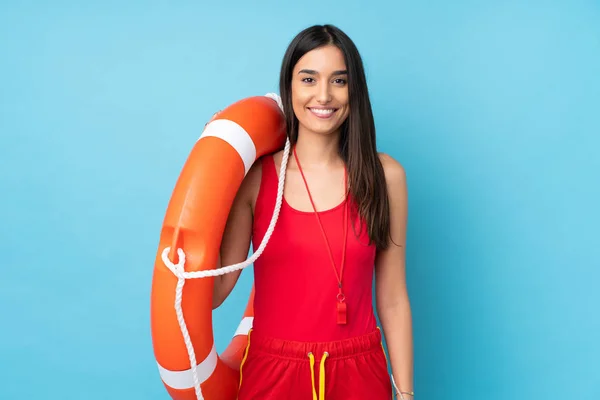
{"x": 244, "y": 358}
{"x": 321, "y": 376}
{"x": 312, "y": 374}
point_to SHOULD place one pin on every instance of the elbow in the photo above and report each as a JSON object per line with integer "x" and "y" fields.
{"x": 217, "y": 298}
{"x": 399, "y": 305}
{"x": 216, "y": 302}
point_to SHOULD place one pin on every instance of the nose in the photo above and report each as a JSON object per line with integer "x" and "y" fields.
{"x": 324, "y": 93}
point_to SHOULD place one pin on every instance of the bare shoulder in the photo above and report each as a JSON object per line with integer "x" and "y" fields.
{"x": 395, "y": 175}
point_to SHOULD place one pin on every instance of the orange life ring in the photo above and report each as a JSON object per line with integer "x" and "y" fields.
{"x": 189, "y": 244}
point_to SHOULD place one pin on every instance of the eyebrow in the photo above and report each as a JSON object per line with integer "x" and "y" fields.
{"x": 313, "y": 72}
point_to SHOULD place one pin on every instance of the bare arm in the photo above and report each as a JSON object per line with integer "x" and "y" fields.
{"x": 393, "y": 305}
{"x": 237, "y": 235}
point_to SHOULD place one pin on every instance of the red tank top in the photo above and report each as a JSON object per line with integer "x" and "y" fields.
{"x": 296, "y": 287}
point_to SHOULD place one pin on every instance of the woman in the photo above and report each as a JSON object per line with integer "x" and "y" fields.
{"x": 343, "y": 219}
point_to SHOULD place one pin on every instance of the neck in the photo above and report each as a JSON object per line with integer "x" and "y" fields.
{"x": 316, "y": 150}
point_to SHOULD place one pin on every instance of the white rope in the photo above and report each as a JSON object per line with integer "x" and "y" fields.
{"x": 182, "y": 325}
{"x": 179, "y": 269}
{"x": 276, "y": 98}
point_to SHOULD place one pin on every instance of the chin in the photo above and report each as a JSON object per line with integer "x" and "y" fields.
{"x": 320, "y": 129}
{"x": 326, "y": 131}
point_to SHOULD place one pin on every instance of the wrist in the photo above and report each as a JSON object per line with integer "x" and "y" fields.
{"x": 402, "y": 394}
{"x": 405, "y": 395}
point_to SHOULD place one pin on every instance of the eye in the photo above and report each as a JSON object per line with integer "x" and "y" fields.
{"x": 308, "y": 80}
{"x": 340, "y": 81}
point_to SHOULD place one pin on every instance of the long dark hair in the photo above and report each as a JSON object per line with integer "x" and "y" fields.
{"x": 367, "y": 184}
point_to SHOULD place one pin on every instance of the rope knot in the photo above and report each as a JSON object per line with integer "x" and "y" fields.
{"x": 177, "y": 269}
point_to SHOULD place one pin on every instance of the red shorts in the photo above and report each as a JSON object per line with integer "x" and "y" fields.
{"x": 350, "y": 369}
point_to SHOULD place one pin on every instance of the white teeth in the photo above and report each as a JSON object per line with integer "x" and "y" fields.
{"x": 321, "y": 111}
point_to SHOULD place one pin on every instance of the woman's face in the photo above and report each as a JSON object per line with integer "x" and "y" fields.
{"x": 320, "y": 90}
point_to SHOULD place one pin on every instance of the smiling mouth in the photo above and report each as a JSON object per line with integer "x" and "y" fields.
{"x": 323, "y": 112}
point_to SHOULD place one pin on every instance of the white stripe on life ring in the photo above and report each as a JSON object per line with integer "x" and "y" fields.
{"x": 236, "y": 136}
{"x": 184, "y": 379}
{"x": 244, "y": 326}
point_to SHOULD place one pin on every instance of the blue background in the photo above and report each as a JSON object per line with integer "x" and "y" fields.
{"x": 492, "y": 107}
